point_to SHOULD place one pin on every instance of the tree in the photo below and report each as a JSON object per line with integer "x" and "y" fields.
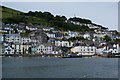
{"x": 80, "y": 38}
{"x": 30, "y": 50}
{"x": 64, "y": 39}
{"x": 72, "y": 39}
{"x": 107, "y": 38}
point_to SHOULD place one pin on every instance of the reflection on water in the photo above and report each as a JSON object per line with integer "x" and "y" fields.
{"x": 49, "y": 67}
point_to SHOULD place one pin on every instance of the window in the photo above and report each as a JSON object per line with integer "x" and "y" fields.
{"x": 88, "y": 49}
{"x": 91, "y": 49}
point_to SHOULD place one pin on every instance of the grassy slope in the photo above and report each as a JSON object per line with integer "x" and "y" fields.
{"x": 8, "y": 12}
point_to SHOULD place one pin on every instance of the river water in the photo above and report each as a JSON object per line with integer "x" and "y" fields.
{"x": 51, "y": 67}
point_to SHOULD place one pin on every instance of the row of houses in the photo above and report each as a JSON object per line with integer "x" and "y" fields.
{"x": 49, "y": 41}
{"x": 10, "y": 48}
{"x": 97, "y": 35}
{"x": 91, "y": 26}
{"x": 51, "y": 33}
{"x": 17, "y": 44}
{"x": 83, "y": 48}
{"x": 91, "y": 48}
{"x": 16, "y": 38}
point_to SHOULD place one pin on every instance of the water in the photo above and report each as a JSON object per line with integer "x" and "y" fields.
{"x": 49, "y": 67}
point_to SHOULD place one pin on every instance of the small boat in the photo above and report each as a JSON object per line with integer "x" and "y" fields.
{"x": 20, "y": 56}
{"x": 72, "y": 56}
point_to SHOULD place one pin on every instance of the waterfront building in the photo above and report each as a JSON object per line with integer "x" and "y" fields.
{"x": 7, "y": 48}
{"x": 26, "y": 48}
{"x": 17, "y": 48}
{"x": 112, "y": 47}
{"x": 84, "y": 49}
{"x": 42, "y": 49}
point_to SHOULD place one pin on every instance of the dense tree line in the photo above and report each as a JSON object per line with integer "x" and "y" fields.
{"x": 48, "y": 19}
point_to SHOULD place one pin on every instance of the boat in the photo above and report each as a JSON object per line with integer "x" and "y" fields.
{"x": 72, "y": 56}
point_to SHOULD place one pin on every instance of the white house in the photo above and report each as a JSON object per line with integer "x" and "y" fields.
{"x": 112, "y": 47}
{"x": 71, "y": 34}
{"x": 17, "y": 48}
{"x": 84, "y": 49}
{"x": 109, "y": 47}
{"x": 48, "y": 28}
{"x": 7, "y": 48}
{"x": 88, "y": 36}
{"x": 50, "y": 34}
{"x": 25, "y": 40}
{"x": 15, "y": 38}
{"x": 93, "y": 26}
{"x": 31, "y": 28}
{"x": 61, "y": 43}
{"x": 42, "y": 49}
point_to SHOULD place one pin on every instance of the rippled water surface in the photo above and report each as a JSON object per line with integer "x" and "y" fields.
{"x": 49, "y": 67}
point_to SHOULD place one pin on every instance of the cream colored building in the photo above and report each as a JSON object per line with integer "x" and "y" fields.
{"x": 84, "y": 49}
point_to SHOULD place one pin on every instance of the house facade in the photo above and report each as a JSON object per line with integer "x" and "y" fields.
{"x": 42, "y": 49}
{"x": 15, "y": 38}
{"x": 84, "y": 49}
{"x": 61, "y": 43}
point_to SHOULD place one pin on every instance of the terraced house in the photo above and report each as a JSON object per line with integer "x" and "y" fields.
{"x": 84, "y": 49}
{"x": 42, "y": 49}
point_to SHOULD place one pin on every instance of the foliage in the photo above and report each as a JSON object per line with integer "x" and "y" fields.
{"x": 30, "y": 50}
{"x": 26, "y": 33}
{"x": 107, "y": 38}
{"x": 64, "y": 39}
{"x": 117, "y": 40}
{"x": 44, "y": 19}
{"x": 8, "y": 12}
{"x": 77, "y": 38}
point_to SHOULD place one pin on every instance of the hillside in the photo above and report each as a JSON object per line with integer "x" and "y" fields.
{"x": 8, "y": 12}
{"x": 45, "y": 19}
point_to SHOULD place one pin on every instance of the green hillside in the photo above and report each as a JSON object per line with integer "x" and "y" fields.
{"x": 44, "y": 19}
{"x": 8, "y": 12}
